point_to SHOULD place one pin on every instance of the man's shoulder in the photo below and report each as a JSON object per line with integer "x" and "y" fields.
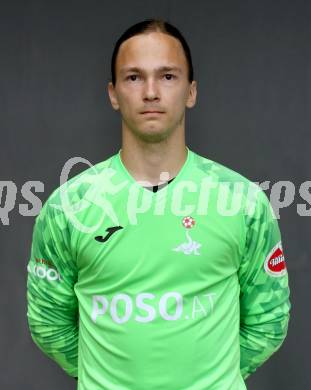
{"x": 72, "y": 191}
{"x": 228, "y": 179}
{"x": 220, "y": 172}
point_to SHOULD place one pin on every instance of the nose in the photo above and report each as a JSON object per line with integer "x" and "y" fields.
{"x": 151, "y": 91}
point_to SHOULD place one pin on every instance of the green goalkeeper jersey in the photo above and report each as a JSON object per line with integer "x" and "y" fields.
{"x": 185, "y": 288}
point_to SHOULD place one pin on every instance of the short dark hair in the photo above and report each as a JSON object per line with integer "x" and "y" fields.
{"x": 151, "y": 25}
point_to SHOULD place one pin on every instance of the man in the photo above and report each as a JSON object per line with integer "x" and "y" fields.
{"x": 141, "y": 276}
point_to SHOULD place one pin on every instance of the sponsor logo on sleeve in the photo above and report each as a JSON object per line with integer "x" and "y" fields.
{"x": 44, "y": 269}
{"x": 275, "y": 263}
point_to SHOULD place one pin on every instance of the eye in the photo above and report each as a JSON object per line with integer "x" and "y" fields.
{"x": 169, "y": 76}
{"x": 132, "y": 77}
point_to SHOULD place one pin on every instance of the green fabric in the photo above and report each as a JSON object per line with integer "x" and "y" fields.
{"x": 157, "y": 305}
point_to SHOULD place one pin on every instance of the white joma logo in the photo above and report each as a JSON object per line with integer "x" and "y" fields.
{"x": 188, "y": 247}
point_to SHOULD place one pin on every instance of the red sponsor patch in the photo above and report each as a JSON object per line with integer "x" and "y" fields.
{"x": 275, "y": 262}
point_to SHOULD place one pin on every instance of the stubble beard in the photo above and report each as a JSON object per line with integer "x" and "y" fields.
{"x": 153, "y": 137}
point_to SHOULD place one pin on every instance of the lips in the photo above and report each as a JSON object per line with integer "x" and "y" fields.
{"x": 152, "y": 112}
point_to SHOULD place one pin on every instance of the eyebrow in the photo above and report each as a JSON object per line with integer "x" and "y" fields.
{"x": 160, "y": 69}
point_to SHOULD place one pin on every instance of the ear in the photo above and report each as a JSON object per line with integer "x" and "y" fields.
{"x": 113, "y": 96}
{"x": 192, "y": 97}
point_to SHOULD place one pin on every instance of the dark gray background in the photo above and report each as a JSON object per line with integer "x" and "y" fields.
{"x": 252, "y": 64}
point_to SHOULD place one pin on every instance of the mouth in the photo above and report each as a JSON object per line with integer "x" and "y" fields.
{"x": 151, "y": 112}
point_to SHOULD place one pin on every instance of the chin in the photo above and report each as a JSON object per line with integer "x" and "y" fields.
{"x": 152, "y": 136}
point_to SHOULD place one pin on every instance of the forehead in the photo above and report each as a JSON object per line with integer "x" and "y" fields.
{"x": 153, "y": 49}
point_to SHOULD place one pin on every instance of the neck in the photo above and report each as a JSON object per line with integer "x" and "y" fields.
{"x": 146, "y": 161}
